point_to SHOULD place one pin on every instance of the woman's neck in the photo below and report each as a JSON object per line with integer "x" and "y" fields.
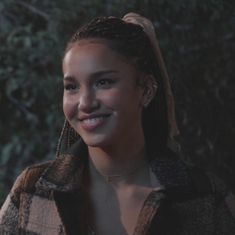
{"x": 118, "y": 163}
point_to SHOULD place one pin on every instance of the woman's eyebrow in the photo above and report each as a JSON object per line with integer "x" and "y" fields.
{"x": 92, "y": 76}
{"x": 69, "y": 78}
{"x": 102, "y": 73}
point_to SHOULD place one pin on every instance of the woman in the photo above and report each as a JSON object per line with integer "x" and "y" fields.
{"x": 117, "y": 169}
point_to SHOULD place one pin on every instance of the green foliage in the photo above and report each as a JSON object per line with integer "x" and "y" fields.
{"x": 197, "y": 38}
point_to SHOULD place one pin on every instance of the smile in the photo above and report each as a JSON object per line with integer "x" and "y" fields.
{"x": 91, "y": 123}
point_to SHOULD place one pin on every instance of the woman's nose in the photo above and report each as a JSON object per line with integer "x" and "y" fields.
{"x": 87, "y": 101}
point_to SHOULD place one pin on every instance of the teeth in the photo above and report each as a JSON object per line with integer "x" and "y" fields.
{"x": 93, "y": 121}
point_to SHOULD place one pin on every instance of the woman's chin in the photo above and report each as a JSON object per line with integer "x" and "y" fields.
{"x": 96, "y": 141}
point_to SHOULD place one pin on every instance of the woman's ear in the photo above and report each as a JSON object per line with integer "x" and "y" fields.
{"x": 149, "y": 85}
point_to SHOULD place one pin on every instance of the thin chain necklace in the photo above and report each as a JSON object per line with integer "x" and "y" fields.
{"x": 118, "y": 177}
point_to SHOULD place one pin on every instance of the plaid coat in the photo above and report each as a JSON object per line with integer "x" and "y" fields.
{"x": 46, "y": 199}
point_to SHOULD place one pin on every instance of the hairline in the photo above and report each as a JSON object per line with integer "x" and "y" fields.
{"x": 108, "y": 43}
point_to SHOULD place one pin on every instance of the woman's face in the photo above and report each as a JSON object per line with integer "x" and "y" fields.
{"x": 102, "y": 101}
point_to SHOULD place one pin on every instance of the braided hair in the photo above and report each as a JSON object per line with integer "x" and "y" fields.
{"x": 130, "y": 41}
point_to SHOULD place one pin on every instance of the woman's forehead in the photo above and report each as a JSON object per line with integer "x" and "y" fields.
{"x": 91, "y": 55}
{"x": 91, "y": 51}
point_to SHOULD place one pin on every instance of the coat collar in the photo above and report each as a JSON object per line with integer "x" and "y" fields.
{"x": 65, "y": 173}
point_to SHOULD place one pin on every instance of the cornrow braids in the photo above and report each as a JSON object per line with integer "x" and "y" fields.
{"x": 62, "y": 136}
{"x": 128, "y": 39}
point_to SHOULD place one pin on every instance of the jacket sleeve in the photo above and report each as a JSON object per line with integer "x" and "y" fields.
{"x": 9, "y": 218}
{"x": 9, "y": 212}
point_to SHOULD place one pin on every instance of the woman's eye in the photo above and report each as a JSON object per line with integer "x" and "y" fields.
{"x": 70, "y": 87}
{"x": 105, "y": 82}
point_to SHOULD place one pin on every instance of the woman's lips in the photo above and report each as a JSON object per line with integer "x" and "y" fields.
{"x": 92, "y": 123}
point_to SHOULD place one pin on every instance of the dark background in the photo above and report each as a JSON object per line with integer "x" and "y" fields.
{"x": 197, "y": 38}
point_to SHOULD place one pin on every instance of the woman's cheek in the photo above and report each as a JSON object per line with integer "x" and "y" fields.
{"x": 69, "y": 108}
{"x": 111, "y": 98}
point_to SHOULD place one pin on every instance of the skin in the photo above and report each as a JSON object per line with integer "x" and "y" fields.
{"x": 103, "y": 103}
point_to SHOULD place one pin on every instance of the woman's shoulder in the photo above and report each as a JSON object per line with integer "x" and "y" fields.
{"x": 206, "y": 182}
{"x": 199, "y": 198}
{"x": 181, "y": 176}
{"x": 27, "y": 179}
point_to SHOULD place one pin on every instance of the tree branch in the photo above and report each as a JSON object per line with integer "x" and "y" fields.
{"x": 33, "y": 10}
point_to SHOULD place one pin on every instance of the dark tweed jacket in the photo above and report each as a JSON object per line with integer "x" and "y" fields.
{"x": 47, "y": 199}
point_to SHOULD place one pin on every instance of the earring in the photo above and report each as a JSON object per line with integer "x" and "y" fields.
{"x": 155, "y": 85}
{"x": 61, "y": 138}
{"x": 149, "y": 90}
{"x": 67, "y": 138}
{"x": 146, "y": 103}
{"x": 72, "y": 136}
{"x": 148, "y": 96}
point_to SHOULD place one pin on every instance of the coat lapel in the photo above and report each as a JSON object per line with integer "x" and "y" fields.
{"x": 64, "y": 178}
{"x": 66, "y": 171}
{"x": 69, "y": 205}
